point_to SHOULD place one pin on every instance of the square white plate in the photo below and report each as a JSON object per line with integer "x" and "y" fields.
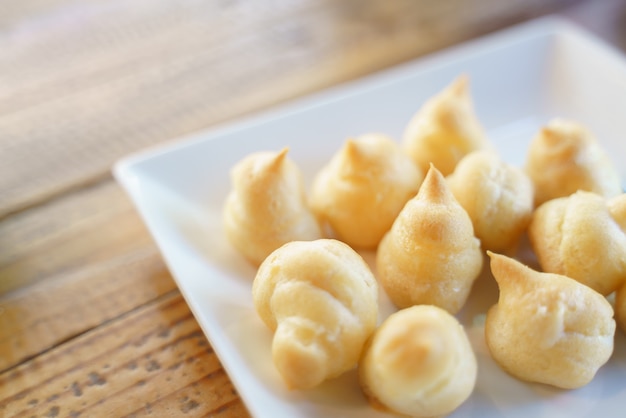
{"x": 520, "y": 78}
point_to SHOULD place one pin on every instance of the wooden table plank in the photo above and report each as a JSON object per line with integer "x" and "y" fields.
{"x": 92, "y": 324}
{"x": 72, "y": 265}
{"x": 158, "y": 70}
{"x": 92, "y": 225}
{"x": 61, "y": 308}
{"x": 154, "y": 360}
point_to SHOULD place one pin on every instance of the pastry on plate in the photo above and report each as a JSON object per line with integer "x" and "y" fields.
{"x": 419, "y": 362}
{"x": 445, "y": 129}
{"x": 565, "y": 157}
{"x": 577, "y": 236}
{"x": 430, "y": 255}
{"x": 267, "y": 206}
{"x": 497, "y": 196}
{"x": 321, "y": 300}
{"x": 362, "y": 189}
{"x": 546, "y": 327}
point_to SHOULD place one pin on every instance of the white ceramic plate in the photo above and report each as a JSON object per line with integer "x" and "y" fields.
{"x": 520, "y": 79}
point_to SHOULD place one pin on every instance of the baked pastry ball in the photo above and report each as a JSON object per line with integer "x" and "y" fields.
{"x": 565, "y": 157}
{"x": 497, "y": 196}
{"x": 430, "y": 255}
{"x": 360, "y": 192}
{"x": 267, "y": 207}
{"x": 546, "y": 327}
{"x": 419, "y": 362}
{"x": 445, "y": 129}
{"x": 576, "y": 236}
{"x": 321, "y": 300}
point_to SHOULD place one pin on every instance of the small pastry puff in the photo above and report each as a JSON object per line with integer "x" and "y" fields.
{"x": 497, "y": 196}
{"x": 445, "y": 129}
{"x": 419, "y": 362}
{"x": 430, "y": 255}
{"x": 267, "y": 207}
{"x": 565, "y": 157}
{"x": 578, "y": 237}
{"x": 363, "y": 188}
{"x": 546, "y": 327}
{"x": 321, "y": 300}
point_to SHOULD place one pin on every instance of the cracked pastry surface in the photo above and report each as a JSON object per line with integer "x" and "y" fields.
{"x": 321, "y": 300}
{"x": 497, "y": 196}
{"x": 419, "y": 362}
{"x": 445, "y": 129}
{"x": 546, "y": 327}
{"x": 267, "y": 207}
{"x": 430, "y": 255}
{"x": 363, "y": 188}
{"x": 578, "y": 237}
{"x": 565, "y": 157}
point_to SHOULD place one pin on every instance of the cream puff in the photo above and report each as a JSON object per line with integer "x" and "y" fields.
{"x": 419, "y": 362}
{"x": 565, "y": 157}
{"x": 546, "y": 327}
{"x": 445, "y": 129}
{"x": 321, "y": 300}
{"x": 430, "y": 255}
{"x": 360, "y": 192}
{"x": 577, "y": 236}
{"x": 267, "y": 206}
{"x": 497, "y": 196}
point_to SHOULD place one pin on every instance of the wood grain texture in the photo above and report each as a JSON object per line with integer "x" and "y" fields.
{"x": 92, "y": 225}
{"x": 77, "y": 262}
{"x": 83, "y": 83}
{"x": 63, "y": 307}
{"x": 91, "y": 323}
{"x": 153, "y": 361}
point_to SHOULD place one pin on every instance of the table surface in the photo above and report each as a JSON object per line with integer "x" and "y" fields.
{"x": 91, "y": 322}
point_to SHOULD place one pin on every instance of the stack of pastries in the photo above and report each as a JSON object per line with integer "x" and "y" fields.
{"x": 432, "y": 207}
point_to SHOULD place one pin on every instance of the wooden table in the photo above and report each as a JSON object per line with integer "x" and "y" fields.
{"x": 91, "y": 323}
